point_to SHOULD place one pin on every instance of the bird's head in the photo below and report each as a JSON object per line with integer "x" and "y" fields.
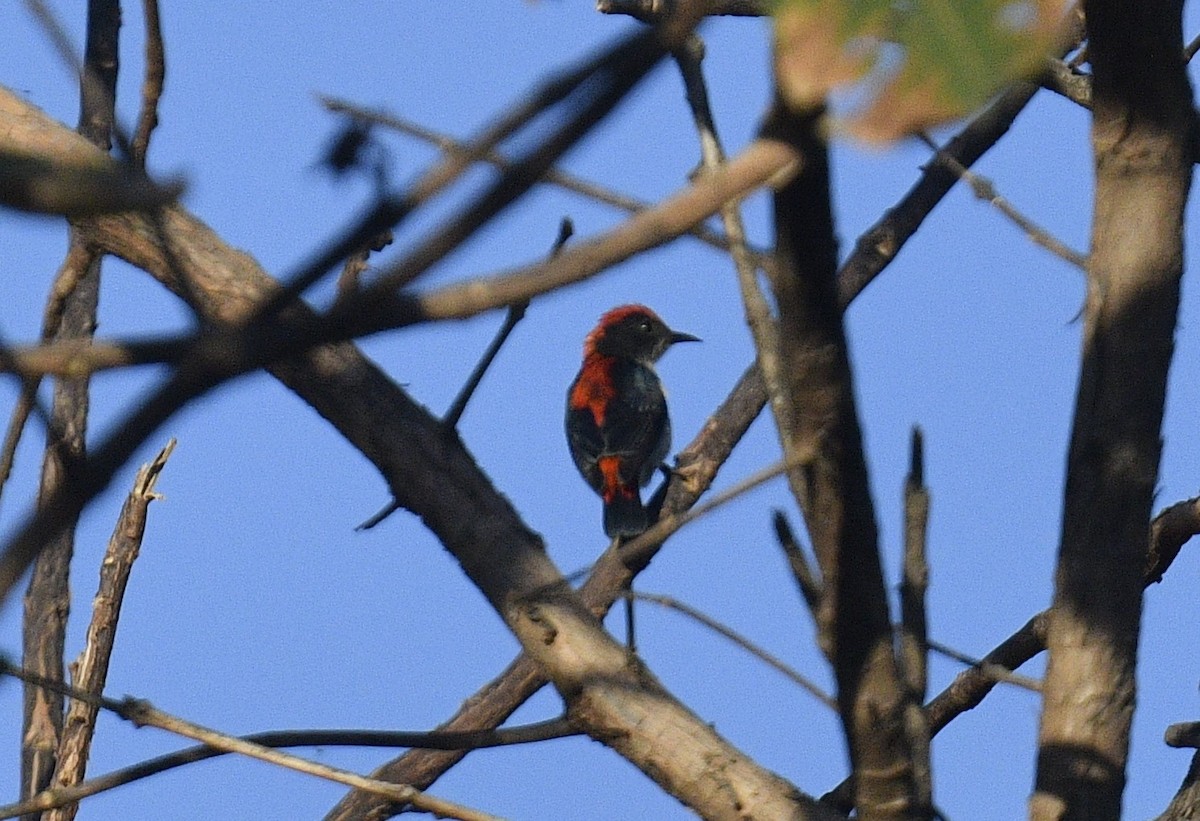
{"x": 633, "y": 332}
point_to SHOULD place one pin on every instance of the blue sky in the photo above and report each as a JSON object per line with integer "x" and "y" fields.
{"x": 255, "y": 606}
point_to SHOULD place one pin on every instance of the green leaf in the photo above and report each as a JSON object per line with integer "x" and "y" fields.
{"x": 908, "y": 64}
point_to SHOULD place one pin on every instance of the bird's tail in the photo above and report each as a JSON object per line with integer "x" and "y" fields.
{"x": 624, "y": 516}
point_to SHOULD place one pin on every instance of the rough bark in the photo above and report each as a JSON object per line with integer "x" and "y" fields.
{"x": 48, "y": 597}
{"x": 1142, "y": 136}
{"x": 818, "y": 425}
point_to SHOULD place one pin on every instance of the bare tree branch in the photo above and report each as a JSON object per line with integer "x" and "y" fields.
{"x": 807, "y": 578}
{"x": 152, "y": 85}
{"x": 142, "y": 713}
{"x": 1143, "y": 134}
{"x": 48, "y": 597}
{"x": 725, "y": 631}
{"x": 554, "y": 176}
{"x": 90, "y": 670}
{"x": 1171, "y": 529}
{"x": 470, "y": 740}
{"x": 913, "y": 636}
{"x": 818, "y": 427}
{"x": 985, "y": 189}
{"x": 697, "y": 466}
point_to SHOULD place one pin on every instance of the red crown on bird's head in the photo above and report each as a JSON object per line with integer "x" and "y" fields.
{"x": 612, "y": 318}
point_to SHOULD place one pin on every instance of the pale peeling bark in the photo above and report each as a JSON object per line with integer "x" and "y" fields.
{"x": 1142, "y": 136}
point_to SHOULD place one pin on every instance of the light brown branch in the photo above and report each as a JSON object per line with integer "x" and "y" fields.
{"x": 152, "y": 85}
{"x": 90, "y": 670}
{"x": 508, "y": 736}
{"x": 142, "y": 713}
{"x": 696, "y": 467}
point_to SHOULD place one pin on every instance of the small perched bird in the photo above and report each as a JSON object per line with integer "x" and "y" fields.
{"x": 617, "y": 425}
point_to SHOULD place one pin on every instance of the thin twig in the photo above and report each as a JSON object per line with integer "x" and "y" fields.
{"x": 806, "y": 576}
{"x": 78, "y": 261}
{"x": 689, "y": 59}
{"x": 516, "y": 312}
{"x": 466, "y": 740}
{"x": 876, "y": 247}
{"x": 152, "y": 85}
{"x": 141, "y": 713}
{"x": 985, "y": 189}
{"x": 737, "y": 638}
{"x": 562, "y": 179}
{"x": 996, "y": 672}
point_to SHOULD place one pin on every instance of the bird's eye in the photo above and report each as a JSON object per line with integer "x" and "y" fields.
{"x": 644, "y": 326}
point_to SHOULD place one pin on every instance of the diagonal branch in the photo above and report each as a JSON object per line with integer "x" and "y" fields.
{"x": 142, "y": 713}
{"x": 525, "y": 734}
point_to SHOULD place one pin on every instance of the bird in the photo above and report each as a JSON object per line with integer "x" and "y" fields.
{"x": 617, "y": 426}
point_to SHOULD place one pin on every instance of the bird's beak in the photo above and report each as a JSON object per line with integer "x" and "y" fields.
{"x": 678, "y": 337}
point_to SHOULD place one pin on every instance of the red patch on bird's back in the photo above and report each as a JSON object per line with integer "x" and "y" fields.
{"x": 610, "y": 470}
{"x": 594, "y": 388}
